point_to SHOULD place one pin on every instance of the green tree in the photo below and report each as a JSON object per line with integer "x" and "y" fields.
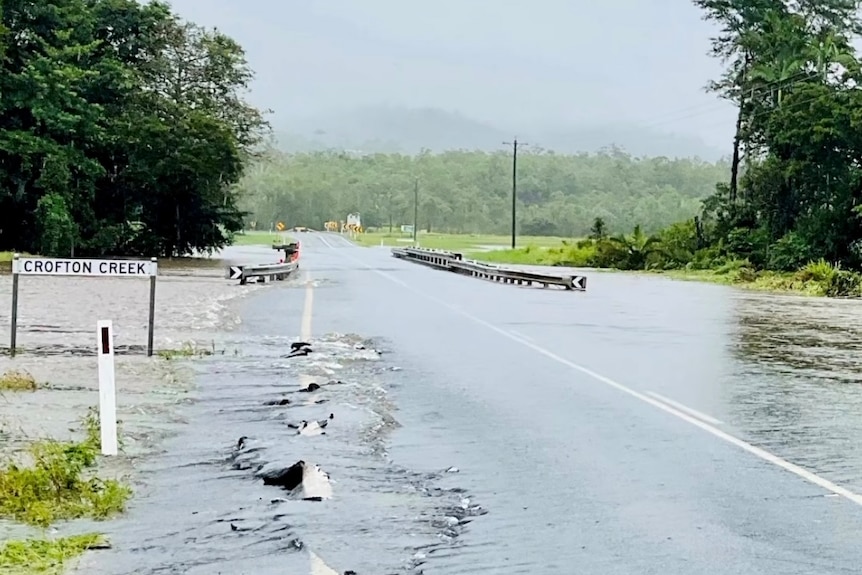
{"x": 89, "y": 128}
{"x": 799, "y": 128}
{"x": 55, "y": 225}
{"x": 599, "y": 229}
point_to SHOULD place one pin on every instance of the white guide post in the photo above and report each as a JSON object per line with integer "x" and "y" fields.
{"x": 107, "y": 388}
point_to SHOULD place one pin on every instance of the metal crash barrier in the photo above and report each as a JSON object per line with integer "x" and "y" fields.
{"x": 455, "y": 262}
{"x": 261, "y": 272}
{"x": 272, "y": 272}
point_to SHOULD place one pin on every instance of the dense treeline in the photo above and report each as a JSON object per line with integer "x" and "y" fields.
{"x": 471, "y": 191}
{"x": 122, "y": 129}
{"x": 795, "y": 183}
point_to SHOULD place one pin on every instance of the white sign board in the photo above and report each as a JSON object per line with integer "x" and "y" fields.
{"x": 84, "y": 267}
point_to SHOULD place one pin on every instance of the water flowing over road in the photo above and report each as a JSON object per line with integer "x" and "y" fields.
{"x": 645, "y": 426}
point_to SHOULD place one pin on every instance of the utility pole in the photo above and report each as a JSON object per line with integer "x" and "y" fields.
{"x": 415, "y": 209}
{"x": 514, "y": 145}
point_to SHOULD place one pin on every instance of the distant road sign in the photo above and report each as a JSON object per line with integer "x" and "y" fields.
{"x": 84, "y": 267}
{"x": 235, "y": 273}
{"x": 280, "y": 226}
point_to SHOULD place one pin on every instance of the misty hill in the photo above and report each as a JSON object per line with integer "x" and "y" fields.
{"x": 409, "y": 130}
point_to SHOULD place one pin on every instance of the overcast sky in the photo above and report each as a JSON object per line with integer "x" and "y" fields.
{"x": 517, "y": 64}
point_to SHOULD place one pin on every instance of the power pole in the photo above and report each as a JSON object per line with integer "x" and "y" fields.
{"x": 514, "y": 145}
{"x": 415, "y": 208}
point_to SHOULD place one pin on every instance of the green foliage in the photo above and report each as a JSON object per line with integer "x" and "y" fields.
{"x": 674, "y": 250}
{"x": 45, "y": 556}
{"x": 56, "y": 484}
{"x": 122, "y": 129}
{"x": 55, "y": 225}
{"x": 187, "y": 350}
{"x": 470, "y": 192}
{"x": 795, "y": 76}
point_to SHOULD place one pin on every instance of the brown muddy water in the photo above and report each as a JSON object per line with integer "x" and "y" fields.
{"x": 199, "y": 506}
{"x": 57, "y": 340}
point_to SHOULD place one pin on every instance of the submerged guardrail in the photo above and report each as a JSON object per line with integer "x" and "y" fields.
{"x": 263, "y": 272}
{"x": 455, "y": 262}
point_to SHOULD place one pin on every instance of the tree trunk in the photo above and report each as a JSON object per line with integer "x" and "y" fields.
{"x": 734, "y": 165}
{"x": 737, "y": 136}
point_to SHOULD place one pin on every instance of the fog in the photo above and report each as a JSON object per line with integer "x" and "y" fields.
{"x": 562, "y": 71}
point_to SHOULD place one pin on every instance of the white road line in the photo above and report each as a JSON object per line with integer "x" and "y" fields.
{"x": 334, "y": 236}
{"x": 347, "y": 242}
{"x": 318, "y": 567}
{"x": 307, "y": 309}
{"x": 685, "y": 408}
{"x": 519, "y": 335}
{"x": 744, "y": 445}
{"x": 326, "y": 243}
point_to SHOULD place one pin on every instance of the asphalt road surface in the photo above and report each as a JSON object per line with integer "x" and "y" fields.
{"x": 572, "y": 417}
{"x": 644, "y": 427}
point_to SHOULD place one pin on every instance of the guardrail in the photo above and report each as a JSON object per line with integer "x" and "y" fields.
{"x": 261, "y": 272}
{"x": 434, "y": 258}
{"x": 455, "y": 262}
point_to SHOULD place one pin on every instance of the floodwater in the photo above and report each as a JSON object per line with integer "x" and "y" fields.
{"x": 454, "y": 450}
{"x": 204, "y": 510}
{"x": 796, "y": 383}
{"x": 58, "y": 315}
{"x": 57, "y": 319}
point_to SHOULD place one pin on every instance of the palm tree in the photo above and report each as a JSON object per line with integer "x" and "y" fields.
{"x": 637, "y": 247}
{"x": 828, "y": 47}
{"x": 785, "y": 43}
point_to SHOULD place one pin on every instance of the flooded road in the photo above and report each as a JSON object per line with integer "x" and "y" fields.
{"x": 57, "y": 319}
{"x": 646, "y": 426}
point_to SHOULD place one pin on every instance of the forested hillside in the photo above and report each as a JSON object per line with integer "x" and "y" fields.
{"x": 122, "y": 129}
{"x": 402, "y": 130}
{"x": 471, "y": 191}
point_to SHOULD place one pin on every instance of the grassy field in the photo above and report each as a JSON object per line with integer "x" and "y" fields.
{"x": 454, "y": 242}
{"x": 260, "y": 238}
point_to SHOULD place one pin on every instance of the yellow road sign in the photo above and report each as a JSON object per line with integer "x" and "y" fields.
{"x": 280, "y": 226}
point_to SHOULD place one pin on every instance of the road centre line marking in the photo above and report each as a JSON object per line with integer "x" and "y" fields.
{"x": 308, "y": 306}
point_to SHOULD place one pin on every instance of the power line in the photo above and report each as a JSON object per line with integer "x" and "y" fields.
{"x": 703, "y": 109}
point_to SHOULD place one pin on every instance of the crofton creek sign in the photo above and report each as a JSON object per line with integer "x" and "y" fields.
{"x": 22, "y": 266}
{"x": 84, "y": 267}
